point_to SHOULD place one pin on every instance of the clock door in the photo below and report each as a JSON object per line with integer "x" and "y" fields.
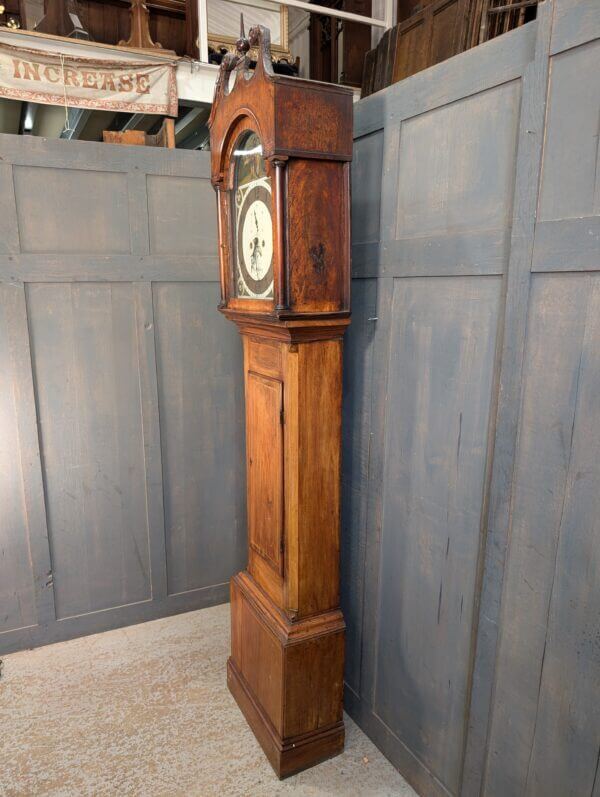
{"x": 264, "y": 399}
{"x": 251, "y": 213}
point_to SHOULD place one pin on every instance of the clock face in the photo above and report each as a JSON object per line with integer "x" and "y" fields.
{"x": 255, "y": 242}
{"x": 253, "y": 222}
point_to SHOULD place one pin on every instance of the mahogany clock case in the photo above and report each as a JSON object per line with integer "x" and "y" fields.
{"x": 306, "y": 133}
{"x": 286, "y": 663}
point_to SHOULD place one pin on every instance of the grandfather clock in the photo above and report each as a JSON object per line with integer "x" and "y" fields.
{"x": 280, "y": 154}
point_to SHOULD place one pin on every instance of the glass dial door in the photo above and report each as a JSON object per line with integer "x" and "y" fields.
{"x": 252, "y": 220}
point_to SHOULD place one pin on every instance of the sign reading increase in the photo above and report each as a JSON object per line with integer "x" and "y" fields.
{"x": 59, "y": 79}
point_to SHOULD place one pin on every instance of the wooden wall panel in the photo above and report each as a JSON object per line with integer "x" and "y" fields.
{"x": 548, "y": 660}
{"x": 121, "y": 388}
{"x": 200, "y": 390}
{"x": 448, "y": 28}
{"x": 456, "y": 166}
{"x": 356, "y": 418}
{"x": 439, "y": 396}
{"x": 571, "y": 177}
{"x": 175, "y": 226}
{"x": 567, "y": 723}
{"x": 367, "y": 164}
{"x": 472, "y": 418}
{"x": 85, "y": 362}
{"x": 548, "y": 666}
{"x": 9, "y": 231}
{"x": 88, "y": 213}
{"x": 17, "y": 586}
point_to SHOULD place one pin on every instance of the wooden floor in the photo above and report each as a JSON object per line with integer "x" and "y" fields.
{"x": 145, "y": 711}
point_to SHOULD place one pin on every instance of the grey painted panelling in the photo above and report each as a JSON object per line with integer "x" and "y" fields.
{"x": 567, "y": 721}
{"x": 176, "y": 228}
{"x": 367, "y": 162}
{"x": 571, "y": 168}
{"x": 93, "y": 386}
{"x": 572, "y": 241}
{"x": 85, "y": 361}
{"x": 556, "y": 329}
{"x": 9, "y": 231}
{"x": 439, "y": 396}
{"x": 575, "y": 22}
{"x": 476, "y": 341}
{"x": 549, "y": 662}
{"x": 462, "y": 188}
{"x": 199, "y": 359}
{"x": 358, "y": 366}
{"x": 17, "y": 589}
{"x": 89, "y": 211}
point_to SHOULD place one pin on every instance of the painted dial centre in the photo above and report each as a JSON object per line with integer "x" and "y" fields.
{"x": 257, "y": 239}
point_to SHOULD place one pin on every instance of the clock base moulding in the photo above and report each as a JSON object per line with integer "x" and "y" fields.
{"x": 274, "y": 668}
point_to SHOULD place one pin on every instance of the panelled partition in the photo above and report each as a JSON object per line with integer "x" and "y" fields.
{"x": 471, "y": 476}
{"x": 471, "y": 547}
{"x": 121, "y": 408}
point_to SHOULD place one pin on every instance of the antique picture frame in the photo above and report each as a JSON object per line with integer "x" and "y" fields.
{"x": 252, "y": 16}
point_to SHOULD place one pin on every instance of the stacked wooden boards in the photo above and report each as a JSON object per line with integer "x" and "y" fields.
{"x": 438, "y": 31}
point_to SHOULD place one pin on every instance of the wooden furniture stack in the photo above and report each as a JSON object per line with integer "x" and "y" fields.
{"x": 165, "y": 137}
{"x": 291, "y": 303}
{"x": 430, "y": 32}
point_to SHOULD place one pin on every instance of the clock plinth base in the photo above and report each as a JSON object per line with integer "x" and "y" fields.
{"x": 287, "y": 678}
{"x": 292, "y": 756}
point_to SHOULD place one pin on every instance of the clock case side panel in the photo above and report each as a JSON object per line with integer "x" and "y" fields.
{"x": 312, "y": 120}
{"x": 318, "y": 238}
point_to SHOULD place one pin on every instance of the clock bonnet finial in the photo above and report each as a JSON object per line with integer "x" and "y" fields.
{"x": 242, "y": 45}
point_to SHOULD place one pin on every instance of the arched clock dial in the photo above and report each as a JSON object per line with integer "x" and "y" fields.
{"x": 253, "y": 222}
{"x": 255, "y": 242}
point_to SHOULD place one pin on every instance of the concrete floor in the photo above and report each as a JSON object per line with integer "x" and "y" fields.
{"x": 145, "y": 711}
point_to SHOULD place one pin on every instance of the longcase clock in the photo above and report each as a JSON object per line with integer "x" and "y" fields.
{"x": 281, "y": 150}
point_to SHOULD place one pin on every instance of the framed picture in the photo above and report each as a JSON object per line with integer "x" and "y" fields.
{"x": 224, "y": 23}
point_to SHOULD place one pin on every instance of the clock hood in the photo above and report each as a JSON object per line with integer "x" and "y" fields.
{"x": 276, "y": 107}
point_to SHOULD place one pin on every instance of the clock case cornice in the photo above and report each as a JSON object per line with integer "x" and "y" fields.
{"x": 301, "y": 124}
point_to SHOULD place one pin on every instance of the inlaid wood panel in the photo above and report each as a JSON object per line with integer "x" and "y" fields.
{"x": 319, "y": 470}
{"x": 314, "y": 667}
{"x": 316, "y": 250}
{"x": 259, "y": 655}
